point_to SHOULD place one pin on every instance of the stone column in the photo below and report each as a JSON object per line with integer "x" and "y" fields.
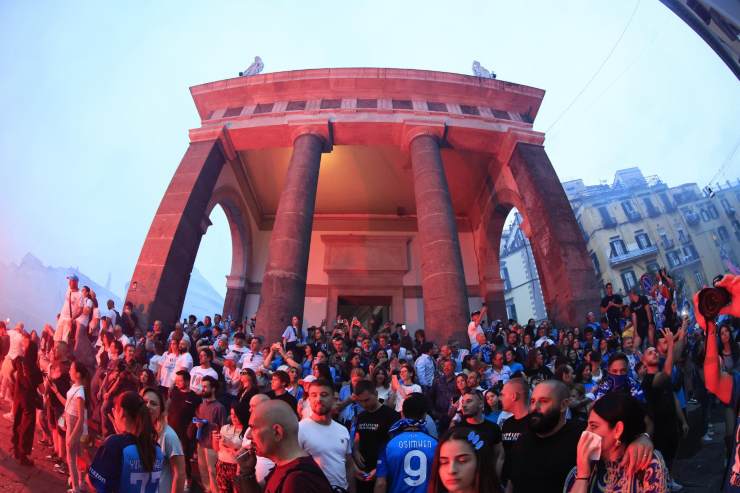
{"x": 566, "y": 274}
{"x": 489, "y": 235}
{"x": 284, "y": 283}
{"x": 162, "y": 272}
{"x": 443, "y": 279}
{"x": 236, "y": 296}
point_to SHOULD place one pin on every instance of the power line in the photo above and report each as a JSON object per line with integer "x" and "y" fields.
{"x": 598, "y": 70}
{"x": 725, "y": 163}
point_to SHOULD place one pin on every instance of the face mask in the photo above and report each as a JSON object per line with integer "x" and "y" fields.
{"x": 618, "y": 381}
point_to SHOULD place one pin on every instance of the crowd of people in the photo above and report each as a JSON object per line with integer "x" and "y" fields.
{"x": 209, "y": 405}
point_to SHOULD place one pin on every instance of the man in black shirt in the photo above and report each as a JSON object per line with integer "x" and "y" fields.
{"x": 372, "y": 433}
{"x": 611, "y": 305}
{"x": 514, "y": 400}
{"x": 472, "y": 413}
{"x": 180, "y": 412}
{"x": 544, "y": 455}
{"x": 642, "y": 318}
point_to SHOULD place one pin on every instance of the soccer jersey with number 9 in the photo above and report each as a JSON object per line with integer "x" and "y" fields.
{"x": 406, "y": 462}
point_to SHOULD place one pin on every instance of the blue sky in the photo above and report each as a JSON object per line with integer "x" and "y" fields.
{"x": 95, "y": 102}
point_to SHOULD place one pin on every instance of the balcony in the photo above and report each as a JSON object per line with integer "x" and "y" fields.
{"x": 667, "y": 244}
{"x": 686, "y": 261}
{"x": 632, "y": 255}
{"x": 684, "y": 239}
{"x": 692, "y": 218}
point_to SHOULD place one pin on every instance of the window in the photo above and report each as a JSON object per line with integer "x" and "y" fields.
{"x": 402, "y": 104}
{"x": 231, "y": 112}
{"x": 606, "y": 219}
{"x": 713, "y": 211}
{"x": 595, "y": 261}
{"x": 669, "y": 207}
{"x": 296, "y": 106}
{"x": 511, "y": 309}
{"x": 689, "y": 252}
{"x": 629, "y": 211}
{"x": 643, "y": 241}
{"x": 469, "y": 110}
{"x": 263, "y": 108}
{"x": 699, "y": 277}
{"x": 617, "y": 247}
{"x": 503, "y": 115}
{"x": 682, "y": 236}
{"x": 432, "y": 106}
{"x": 629, "y": 280}
{"x": 330, "y": 104}
{"x": 704, "y": 215}
{"x": 505, "y": 277}
{"x": 727, "y": 207}
{"x": 650, "y": 207}
{"x": 367, "y": 103}
{"x": 723, "y": 234}
{"x": 674, "y": 259}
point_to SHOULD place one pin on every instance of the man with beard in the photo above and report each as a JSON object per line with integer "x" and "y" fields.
{"x": 326, "y": 440}
{"x": 184, "y": 361}
{"x": 212, "y": 415}
{"x": 471, "y": 403}
{"x": 546, "y": 452}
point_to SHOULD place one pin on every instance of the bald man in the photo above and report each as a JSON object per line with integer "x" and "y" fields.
{"x": 273, "y": 430}
{"x": 515, "y": 401}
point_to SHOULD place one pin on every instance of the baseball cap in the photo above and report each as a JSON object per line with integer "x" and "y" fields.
{"x": 307, "y": 379}
{"x": 73, "y": 277}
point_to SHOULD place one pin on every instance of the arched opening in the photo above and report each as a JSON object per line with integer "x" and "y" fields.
{"x": 521, "y": 282}
{"x": 207, "y": 290}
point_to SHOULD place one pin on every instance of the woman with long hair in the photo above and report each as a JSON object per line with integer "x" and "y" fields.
{"x": 307, "y": 359}
{"x": 462, "y": 464}
{"x": 535, "y": 368}
{"x": 132, "y": 455}
{"x": 248, "y": 387}
{"x": 227, "y": 442}
{"x": 379, "y": 377}
{"x": 76, "y": 403}
{"x": 616, "y": 419}
{"x": 173, "y": 467}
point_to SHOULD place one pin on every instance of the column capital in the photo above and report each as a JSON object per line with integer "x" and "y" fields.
{"x": 236, "y": 282}
{"x": 219, "y": 134}
{"x": 319, "y": 128}
{"x": 412, "y": 130}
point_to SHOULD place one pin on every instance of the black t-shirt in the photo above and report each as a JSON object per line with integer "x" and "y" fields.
{"x": 181, "y": 409}
{"x": 614, "y": 312}
{"x": 372, "y": 427}
{"x": 300, "y": 475}
{"x": 488, "y": 431}
{"x": 638, "y": 308}
{"x": 511, "y": 431}
{"x": 662, "y": 409}
{"x": 542, "y": 464}
{"x": 287, "y": 398}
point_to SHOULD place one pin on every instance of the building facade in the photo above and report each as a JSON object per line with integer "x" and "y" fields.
{"x": 522, "y": 291}
{"x": 385, "y": 190}
{"x": 637, "y": 225}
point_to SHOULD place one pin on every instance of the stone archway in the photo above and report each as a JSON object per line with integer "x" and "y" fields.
{"x": 241, "y": 248}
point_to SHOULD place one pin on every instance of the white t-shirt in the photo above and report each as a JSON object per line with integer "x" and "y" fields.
{"x": 167, "y": 369}
{"x": 290, "y": 334}
{"x": 74, "y": 391}
{"x": 329, "y": 445}
{"x": 16, "y": 345}
{"x": 231, "y": 377}
{"x": 253, "y": 361}
{"x": 196, "y": 378}
{"x": 124, "y": 340}
{"x": 183, "y": 362}
{"x": 155, "y": 362}
{"x": 408, "y": 389}
{"x": 87, "y": 308}
{"x": 473, "y": 331}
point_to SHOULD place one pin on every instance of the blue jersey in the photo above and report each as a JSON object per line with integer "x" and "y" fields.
{"x": 406, "y": 462}
{"x": 117, "y": 467}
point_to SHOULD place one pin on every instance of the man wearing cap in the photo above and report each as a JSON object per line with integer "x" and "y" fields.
{"x": 71, "y": 309}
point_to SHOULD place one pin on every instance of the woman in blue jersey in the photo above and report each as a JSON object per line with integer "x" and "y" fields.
{"x": 129, "y": 461}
